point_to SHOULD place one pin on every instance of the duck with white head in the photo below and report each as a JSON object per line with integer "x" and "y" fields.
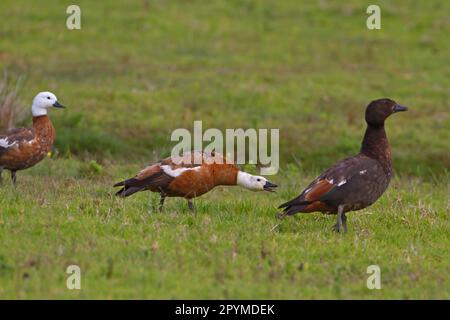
{"x": 190, "y": 176}
{"x": 22, "y": 148}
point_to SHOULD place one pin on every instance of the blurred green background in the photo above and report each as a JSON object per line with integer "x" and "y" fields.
{"x": 139, "y": 69}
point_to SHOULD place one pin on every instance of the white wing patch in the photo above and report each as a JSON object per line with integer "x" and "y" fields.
{"x": 362, "y": 172}
{"x": 342, "y": 183}
{"x": 4, "y": 143}
{"x": 177, "y": 172}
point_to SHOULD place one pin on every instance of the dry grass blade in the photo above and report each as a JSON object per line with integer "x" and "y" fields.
{"x": 12, "y": 111}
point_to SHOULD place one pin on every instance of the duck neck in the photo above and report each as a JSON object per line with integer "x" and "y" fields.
{"x": 38, "y": 111}
{"x": 43, "y": 128}
{"x": 225, "y": 175}
{"x": 375, "y": 145}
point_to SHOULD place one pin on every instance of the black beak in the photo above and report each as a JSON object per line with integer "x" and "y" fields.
{"x": 399, "y": 108}
{"x": 269, "y": 186}
{"x": 58, "y": 105}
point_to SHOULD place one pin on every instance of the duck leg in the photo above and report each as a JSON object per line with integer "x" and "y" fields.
{"x": 161, "y": 202}
{"x": 191, "y": 206}
{"x": 13, "y": 177}
{"x": 338, "y": 226}
{"x": 344, "y": 222}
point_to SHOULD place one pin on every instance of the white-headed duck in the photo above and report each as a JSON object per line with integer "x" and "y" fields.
{"x": 22, "y": 148}
{"x": 190, "y": 176}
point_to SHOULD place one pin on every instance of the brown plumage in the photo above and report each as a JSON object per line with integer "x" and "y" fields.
{"x": 190, "y": 176}
{"x": 356, "y": 182}
{"x": 22, "y": 148}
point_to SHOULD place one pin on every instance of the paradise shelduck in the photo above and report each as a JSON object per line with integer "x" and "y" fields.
{"x": 22, "y": 148}
{"x": 356, "y": 182}
{"x": 189, "y": 176}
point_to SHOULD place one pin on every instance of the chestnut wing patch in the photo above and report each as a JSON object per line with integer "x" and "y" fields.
{"x": 316, "y": 191}
{"x": 312, "y": 193}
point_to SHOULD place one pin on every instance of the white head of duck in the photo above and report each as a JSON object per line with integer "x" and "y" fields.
{"x": 42, "y": 102}
{"x": 254, "y": 183}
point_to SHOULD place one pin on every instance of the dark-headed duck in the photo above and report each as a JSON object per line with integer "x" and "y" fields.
{"x": 356, "y": 182}
{"x": 190, "y": 176}
{"x": 22, "y": 148}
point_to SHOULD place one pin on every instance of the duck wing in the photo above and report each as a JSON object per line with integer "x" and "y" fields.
{"x": 333, "y": 186}
{"x": 15, "y": 137}
{"x": 152, "y": 177}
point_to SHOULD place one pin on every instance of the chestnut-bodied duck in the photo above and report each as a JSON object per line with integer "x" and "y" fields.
{"x": 22, "y": 148}
{"x": 191, "y": 175}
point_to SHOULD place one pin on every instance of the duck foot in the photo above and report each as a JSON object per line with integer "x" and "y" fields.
{"x": 341, "y": 221}
{"x": 13, "y": 177}
{"x": 336, "y": 228}
{"x": 161, "y": 203}
{"x": 341, "y": 228}
{"x": 344, "y": 222}
{"x": 192, "y": 206}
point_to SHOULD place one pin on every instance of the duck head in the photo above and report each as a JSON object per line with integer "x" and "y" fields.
{"x": 42, "y": 102}
{"x": 379, "y": 110}
{"x": 254, "y": 183}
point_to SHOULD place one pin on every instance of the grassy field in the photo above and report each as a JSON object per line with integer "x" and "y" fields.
{"x": 136, "y": 71}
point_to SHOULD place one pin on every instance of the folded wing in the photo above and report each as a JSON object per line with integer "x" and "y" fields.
{"x": 332, "y": 187}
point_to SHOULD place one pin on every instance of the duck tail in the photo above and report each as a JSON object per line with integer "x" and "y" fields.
{"x": 293, "y": 209}
{"x": 129, "y": 187}
{"x": 296, "y": 201}
{"x": 294, "y": 206}
{"x": 119, "y": 184}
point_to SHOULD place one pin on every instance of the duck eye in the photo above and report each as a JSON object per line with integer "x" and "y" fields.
{"x": 258, "y": 179}
{"x": 48, "y": 98}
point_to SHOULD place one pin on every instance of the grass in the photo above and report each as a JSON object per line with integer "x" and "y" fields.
{"x": 12, "y": 111}
{"x": 126, "y": 249}
{"x": 138, "y": 70}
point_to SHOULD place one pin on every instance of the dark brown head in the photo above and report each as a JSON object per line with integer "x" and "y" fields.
{"x": 378, "y": 110}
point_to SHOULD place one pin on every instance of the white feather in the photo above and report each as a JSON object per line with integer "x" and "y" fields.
{"x": 177, "y": 172}
{"x": 362, "y": 171}
{"x": 342, "y": 182}
{"x": 5, "y": 144}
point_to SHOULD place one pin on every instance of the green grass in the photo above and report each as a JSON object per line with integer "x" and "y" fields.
{"x": 126, "y": 249}
{"x": 138, "y": 70}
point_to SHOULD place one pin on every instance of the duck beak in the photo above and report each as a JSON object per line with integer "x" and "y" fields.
{"x": 58, "y": 105}
{"x": 270, "y": 186}
{"x": 399, "y": 108}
